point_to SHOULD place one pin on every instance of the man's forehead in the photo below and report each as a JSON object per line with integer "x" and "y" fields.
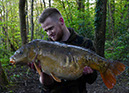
{"x": 47, "y": 21}
{"x": 47, "y": 27}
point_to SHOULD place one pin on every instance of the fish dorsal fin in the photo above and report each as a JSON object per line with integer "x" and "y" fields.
{"x": 55, "y": 78}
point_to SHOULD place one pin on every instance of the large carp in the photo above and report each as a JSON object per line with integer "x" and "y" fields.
{"x": 67, "y": 61}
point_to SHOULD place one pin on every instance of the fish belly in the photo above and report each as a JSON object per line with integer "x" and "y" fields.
{"x": 63, "y": 69}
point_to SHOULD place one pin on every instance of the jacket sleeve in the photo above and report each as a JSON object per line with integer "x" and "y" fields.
{"x": 89, "y": 78}
{"x": 88, "y": 45}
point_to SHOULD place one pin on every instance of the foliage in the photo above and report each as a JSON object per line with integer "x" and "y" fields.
{"x": 83, "y": 24}
{"x": 116, "y": 44}
{"x": 118, "y": 48}
{"x": 4, "y": 56}
{"x": 117, "y": 34}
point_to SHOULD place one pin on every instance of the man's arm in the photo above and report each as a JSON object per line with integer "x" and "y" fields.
{"x": 89, "y": 75}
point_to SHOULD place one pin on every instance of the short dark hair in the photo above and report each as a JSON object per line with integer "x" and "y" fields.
{"x": 49, "y": 12}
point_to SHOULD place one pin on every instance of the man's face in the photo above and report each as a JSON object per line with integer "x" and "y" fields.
{"x": 53, "y": 29}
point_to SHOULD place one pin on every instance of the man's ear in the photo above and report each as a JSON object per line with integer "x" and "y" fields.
{"x": 61, "y": 20}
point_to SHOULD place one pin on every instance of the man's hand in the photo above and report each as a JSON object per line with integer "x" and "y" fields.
{"x": 87, "y": 70}
{"x": 46, "y": 79}
{"x": 31, "y": 65}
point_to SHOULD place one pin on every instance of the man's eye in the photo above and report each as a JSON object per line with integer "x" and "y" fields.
{"x": 51, "y": 28}
{"x": 45, "y": 30}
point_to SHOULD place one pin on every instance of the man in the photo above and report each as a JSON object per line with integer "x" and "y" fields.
{"x": 53, "y": 23}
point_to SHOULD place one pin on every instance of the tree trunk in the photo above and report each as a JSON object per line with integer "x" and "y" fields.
{"x": 22, "y": 16}
{"x": 112, "y": 7}
{"x": 4, "y": 28}
{"x": 128, "y": 14}
{"x": 109, "y": 19}
{"x": 100, "y": 26}
{"x": 27, "y": 18}
{"x": 41, "y": 4}
{"x": 49, "y": 3}
{"x": 4, "y": 18}
{"x": 81, "y": 9}
{"x": 127, "y": 18}
{"x": 81, "y": 5}
{"x": 44, "y": 4}
{"x": 62, "y": 2}
{"x": 32, "y": 24}
{"x": 88, "y": 7}
{"x": 3, "y": 78}
{"x": 70, "y": 12}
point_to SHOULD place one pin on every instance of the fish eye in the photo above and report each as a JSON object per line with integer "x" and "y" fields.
{"x": 21, "y": 52}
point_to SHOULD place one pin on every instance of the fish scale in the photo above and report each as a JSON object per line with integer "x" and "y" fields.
{"x": 63, "y": 61}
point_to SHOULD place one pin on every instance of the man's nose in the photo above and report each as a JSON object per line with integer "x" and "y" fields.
{"x": 49, "y": 32}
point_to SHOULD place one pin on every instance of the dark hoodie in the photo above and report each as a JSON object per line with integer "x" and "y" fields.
{"x": 74, "y": 86}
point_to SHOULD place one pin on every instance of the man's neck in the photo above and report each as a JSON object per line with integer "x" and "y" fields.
{"x": 66, "y": 35}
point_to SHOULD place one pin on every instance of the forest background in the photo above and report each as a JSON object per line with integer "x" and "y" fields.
{"x": 85, "y": 16}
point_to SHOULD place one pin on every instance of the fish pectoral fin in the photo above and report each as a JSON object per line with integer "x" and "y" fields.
{"x": 55, "y": 78}
{"x": 37, "y": 68}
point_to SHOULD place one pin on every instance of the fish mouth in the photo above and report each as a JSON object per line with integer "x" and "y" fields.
{"x": 12, "y": 61}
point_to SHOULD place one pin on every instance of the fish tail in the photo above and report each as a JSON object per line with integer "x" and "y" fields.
{"x": 109, "y": 76}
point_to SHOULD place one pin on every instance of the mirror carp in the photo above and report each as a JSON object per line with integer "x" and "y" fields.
{"x": 63, "y": 61}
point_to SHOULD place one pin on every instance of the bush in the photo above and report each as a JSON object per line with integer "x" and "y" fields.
{"x": 118, "y": 48}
